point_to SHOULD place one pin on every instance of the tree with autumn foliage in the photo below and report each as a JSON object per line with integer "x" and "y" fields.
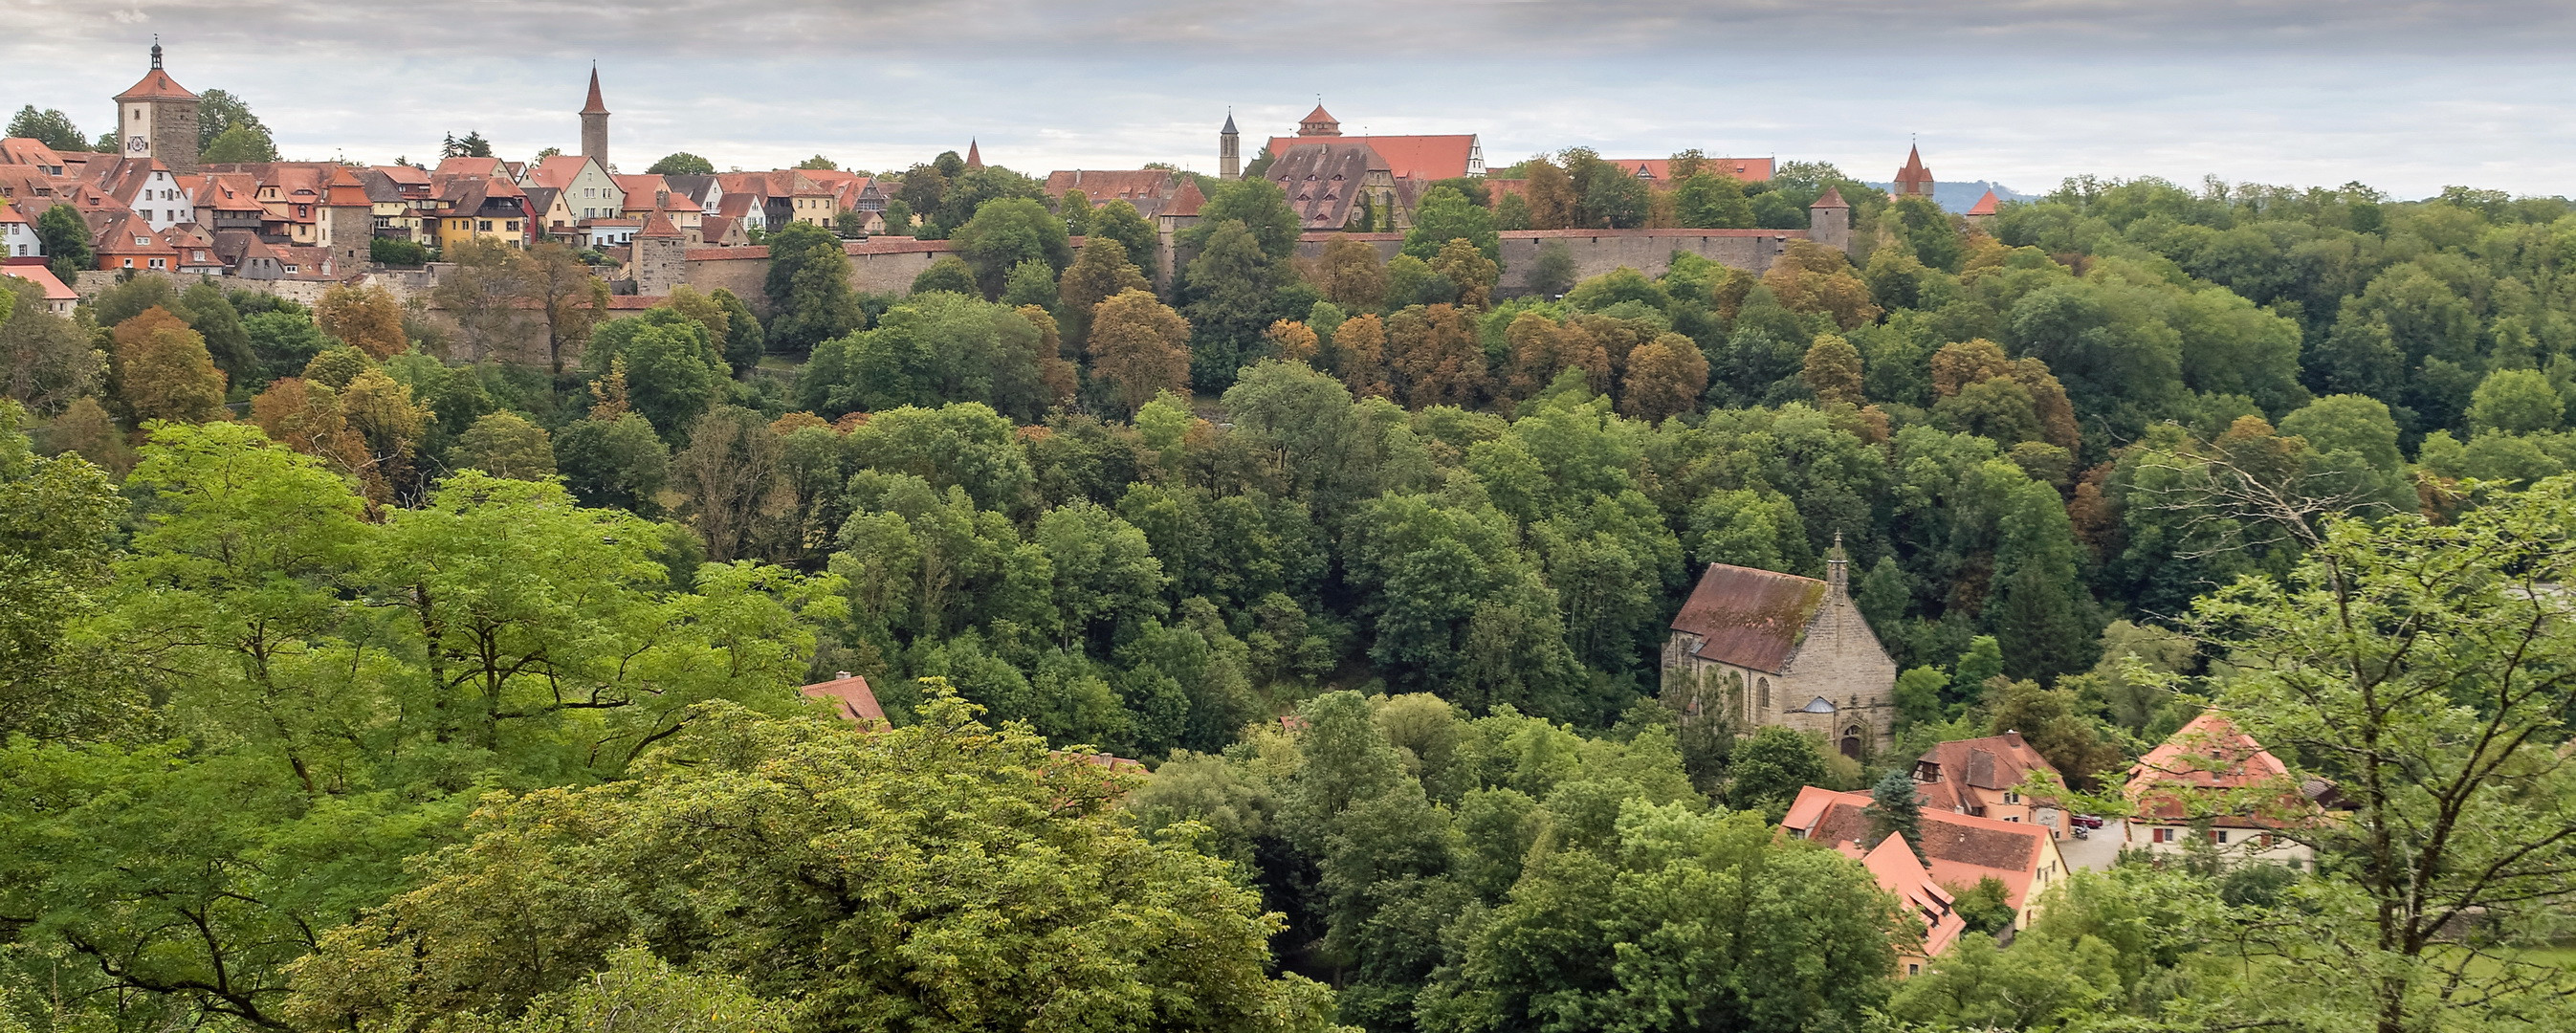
{"x": 1832, "y": 370}
{"x": 1359, "y": 357}
{"x": 1349, "y": 272}
{"x": 1665, "y": 377}
{"x": 1435, "y": 355}
{"x": 163, "y": 371}
{"x": 1139, "y": 346}
{"x": 366, "y": 318}
{"x": 1100, "y": 272}
{"x": 1543, "y": 347}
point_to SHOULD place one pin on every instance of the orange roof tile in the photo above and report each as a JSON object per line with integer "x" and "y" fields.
{"x": 659, "y": 225}
{"x": 594, "y": 106}
{"x": 851, "y": 699}
{"x": 1186, "y": 200}
{"x": 1748, "y": 170}
{"x": 156, "y": 85}
{"x": 1832, "y": 198}
{"x": 1407, "y": 157}
{"x": 43, "y": 278}
{"x": 1985, "y": 205}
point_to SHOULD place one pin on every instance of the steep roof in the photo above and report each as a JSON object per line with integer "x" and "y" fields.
{"x": 1406, "y": 157}
{"x": 1985, "y": 205}
{"x": 22, "y": 150}
{"x": 594, "y": 106}
{"x": 1905, "y": 877}
{"x": 1323, "y": 179}
{"x": 1129, "y": 185}
{"x": 556, "y": 171}
{"x": 659, "y": 225}
{"x": 467, "y": 166}
{"x": 1229, "y": 123}
{"x": 1960, "y": 849}
{"x": 974, "y": 155}
{"x": 1748, "y": 617}
{"x": 1186, "y": 200}
{"x": 1831, "y": 198}
{"x": 851, "y": 699}
{"x": 156, "y": 85}
{"x": 1914, "y": 172}
{"x": 1996, "y": 762}
{"x": 2209, "y": 765}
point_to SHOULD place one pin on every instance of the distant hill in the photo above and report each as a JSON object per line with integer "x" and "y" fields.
{"x": 1959, "y": 197}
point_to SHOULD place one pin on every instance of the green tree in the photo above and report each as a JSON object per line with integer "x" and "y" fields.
{"x": 743, "y": 336}
{"x": 672, "y": 370}
{"x": 1766, "y": 771}
{"x": 506, "y": 445}
{"x": 1260, "y": 205}
{"x": 57, "y": 523}
{"x": 950, "y": 274}
{"x": 1006, "y": 232}
{"x": 1031, "y": 283}
{"x": 206, "y": 311}
{"x": 1013, "y": 852}
{"x": 1680, "y": 921}
{"x": 1708, "y": 201}
{"x": 1896, "y": 809}
{"x": 615, "y": 462}
{"x": 240, "y": 143}
{"x": 2416, "y": 669}
{"x": 809, "y": 289}
{"x": 1100, "y": 273}
{"x": 220, "y": 112}
{"x": 681, "y": 163}
{"x": 49, "y": 127}
{"x": 66, "y": 241}
{"x": 1446, "y": 215}
{"x": 2516, "y": 401}
{"x": 46, "y": 361}
{"x": 1118, "y": 220}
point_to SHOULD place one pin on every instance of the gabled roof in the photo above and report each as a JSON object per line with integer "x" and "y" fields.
{"x": 42, "y": 277}
{"x": 1186, "y": 200}
{"x": 1914, "y": 172}
{"x": 2209, "y": 765}
{"x": 465, "y": 166}
{"x": 1960, "y": 849}
{"x": 659, "y": 225}
{"x": 1748, "y": 617}
{"x": 693, "y": 187}
{"x": 556, "y": 171}
{"x": 1985, "y": 205}
{"x": 639, "y": 189}
{"x": 9, "y": 213}
{"x": 594, "y": 106}
{"x": 851, "y": 700}
{"x": 1905, "y": 877}
{"x": 1406, "y": 157}
{"x": 405, "y": 175}
{"x": 1996, "y": 762}
{"x": 22, "y": 150}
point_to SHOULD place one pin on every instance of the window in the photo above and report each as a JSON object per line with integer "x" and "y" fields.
{"x": 142, "y": 241}
{"x": 2162, "y": 836}
{"x": 485, "y": 226}
{"x": 2011, "y": 797}
{"x": 2015, "y": 818}
{"x": 514, "y": 224}
{"x": 2218, "y": 835}
{"x": 129, "y": 263}
{"x": 160, "y": 263}
{"x": 1913, "y": 969}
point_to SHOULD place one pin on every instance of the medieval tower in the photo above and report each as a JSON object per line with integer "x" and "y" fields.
{"x": 157, "y": 119}
{"x": 1229, "y": 150}
{"x": 594, "y": 123}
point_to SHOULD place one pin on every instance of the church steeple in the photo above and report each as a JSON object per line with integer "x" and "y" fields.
{"x": 974, "y": 155}
{"x": 1837, "y": 569}
{"x": 1229, "y": 150}
{"x": 594, "y": 123}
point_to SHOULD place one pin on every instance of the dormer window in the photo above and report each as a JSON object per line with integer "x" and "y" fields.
{"x": 142, "y": 241}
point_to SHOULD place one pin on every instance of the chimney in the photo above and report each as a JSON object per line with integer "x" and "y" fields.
{"x": 840, "y": 675}
{"x": 2014, "y": 737}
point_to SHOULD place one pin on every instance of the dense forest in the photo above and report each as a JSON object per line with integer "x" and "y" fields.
{"x": 356, "y": 673}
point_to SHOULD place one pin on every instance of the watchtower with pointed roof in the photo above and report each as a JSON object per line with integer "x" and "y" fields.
{"x": 157, "y": 119}
{"x": 1829, "y": 220}
{"x": 594, "y": 123}
{"x": 1229, "y": 151}
{"x": 1913, "y": 180}
{"x": 1755, "y": 647}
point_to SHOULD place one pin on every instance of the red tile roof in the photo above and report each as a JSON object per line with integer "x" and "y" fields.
{"x": 594, "y": 106}
{"x": 1960, "y": 849}
{"x": 1749, "y": 617}
{"x": 1998, "y": 762}
{"x": 659, "y": 225}
{"x": 1984, "y": 206}
{"x": 1407, "y": 157}
{"x": 41, "y": 277}
{"x": 1832, "y": 199}
{"x": 1905, "y": 877}
{"x": 1914, "y": 178}
{"x": 557, "y": 171}
{"x": 1119, "y": 184}
{"x": 20, "y": 150}
{"x": 851, "y": 700}
{"x": 1185, "y": 201}
{"x": 2210, "y": 766}
{"x": 156, "y": 85}
{"x": 974, "y": 155}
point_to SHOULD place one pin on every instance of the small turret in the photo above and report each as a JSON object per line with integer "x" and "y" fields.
{"x": 1229, "y": 150}
{"x": 594, "y": 123}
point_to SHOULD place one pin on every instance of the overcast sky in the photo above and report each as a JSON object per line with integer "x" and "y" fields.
{"x": 2403, "y": 96}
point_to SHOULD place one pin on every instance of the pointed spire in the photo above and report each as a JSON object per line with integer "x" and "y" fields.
{"x": 595, "y": 105}
{"x": 1229, "y": 123}
{"x": 974, "y": 155}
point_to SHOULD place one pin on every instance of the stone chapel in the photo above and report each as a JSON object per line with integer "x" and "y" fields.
{"x": 1756, "y": 647}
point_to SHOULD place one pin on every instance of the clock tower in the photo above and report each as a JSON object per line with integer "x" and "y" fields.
{"x": 157, "y": 119}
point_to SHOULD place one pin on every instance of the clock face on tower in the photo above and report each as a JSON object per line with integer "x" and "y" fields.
{"x": 137, "y": 145}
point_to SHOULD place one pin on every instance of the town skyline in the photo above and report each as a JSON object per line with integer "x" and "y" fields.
{"x": 2383, "y": 101}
